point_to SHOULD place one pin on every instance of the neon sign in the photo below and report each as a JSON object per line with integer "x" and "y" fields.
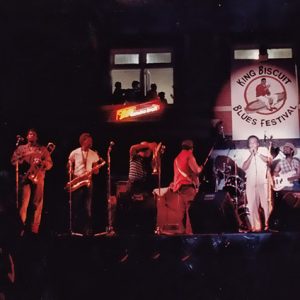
{"x": 137, "y": 110}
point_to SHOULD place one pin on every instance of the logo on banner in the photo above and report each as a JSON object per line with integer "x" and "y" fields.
{"x": 264, "y": 99}
{"x": 270, "y": 95}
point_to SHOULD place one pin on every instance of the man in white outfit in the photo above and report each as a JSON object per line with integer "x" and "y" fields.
{"x": 257, "y": 192}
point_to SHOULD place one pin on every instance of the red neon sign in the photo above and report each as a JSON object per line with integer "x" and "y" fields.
{"x": 137, "y": 110}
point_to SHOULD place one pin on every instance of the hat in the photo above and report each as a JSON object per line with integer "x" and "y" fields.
{"x": 188, "y": 143}
{"x": 290, "y": 145}
{"x": 83, "y": 137}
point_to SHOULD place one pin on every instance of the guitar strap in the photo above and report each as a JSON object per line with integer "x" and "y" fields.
{"x": 185, "y": 176}
{"x": 182, "y": 172}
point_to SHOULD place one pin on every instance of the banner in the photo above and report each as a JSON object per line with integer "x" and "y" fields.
{"x": 264, "y": 99}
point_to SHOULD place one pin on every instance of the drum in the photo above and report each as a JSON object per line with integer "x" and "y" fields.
{"x": 234, "y": 185}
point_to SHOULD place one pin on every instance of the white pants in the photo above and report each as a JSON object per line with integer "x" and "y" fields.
{"x": 269, "y": 101}
{"x": 257, "y": 196}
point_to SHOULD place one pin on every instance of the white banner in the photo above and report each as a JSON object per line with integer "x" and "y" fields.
{"x": 264, "y": 99}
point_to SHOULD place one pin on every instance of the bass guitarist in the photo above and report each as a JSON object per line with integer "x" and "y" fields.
{"x": 34, "y": 160}
{"x": 82, "y": 161}
{"x": 287, "y": 171}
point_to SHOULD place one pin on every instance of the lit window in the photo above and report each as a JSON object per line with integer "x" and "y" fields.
{"x": 246, "y": 54}
{"x": 125, "y": 59}
{"x": 156, "y": 58}
{"x": 280, "y": 53}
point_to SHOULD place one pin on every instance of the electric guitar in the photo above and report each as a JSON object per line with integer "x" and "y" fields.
{"x": 284, "y": 180}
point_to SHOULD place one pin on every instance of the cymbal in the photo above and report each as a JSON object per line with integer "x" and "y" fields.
{"x": 225, "y": 164}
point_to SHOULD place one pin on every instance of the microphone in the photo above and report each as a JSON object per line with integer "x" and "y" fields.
{"x": 111, "y": 143}
{"x": 19, "y": 139}
{"x": 265, "y": 137}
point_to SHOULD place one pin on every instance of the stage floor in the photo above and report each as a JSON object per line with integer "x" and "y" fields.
{"x": 202, "y": 266}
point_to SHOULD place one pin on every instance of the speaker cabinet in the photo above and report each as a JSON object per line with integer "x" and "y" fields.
{"x": 213, "y": 213}
{"x": 286, "y": 212}
{"x": 168, "y": 216}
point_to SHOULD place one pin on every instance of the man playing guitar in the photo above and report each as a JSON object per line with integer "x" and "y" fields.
{"x": 287, "y": 171}
{"x": 186, "y": 182}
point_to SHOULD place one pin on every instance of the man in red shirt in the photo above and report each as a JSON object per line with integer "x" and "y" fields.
{"x": 186, "y": 182}
{"x": 263, "y": 93}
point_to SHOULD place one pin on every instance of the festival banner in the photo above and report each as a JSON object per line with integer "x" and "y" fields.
{"x": 264, "y": 99}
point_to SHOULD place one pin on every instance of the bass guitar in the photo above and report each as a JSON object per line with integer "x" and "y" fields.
{"x": 284, "y": 180}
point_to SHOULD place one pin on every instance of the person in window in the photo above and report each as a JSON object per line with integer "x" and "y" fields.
{"x": 134, "y": 94}
{"x": 152, "y": 93}
{"x": 118, "y": 94}
{"x": 162, "y": 98}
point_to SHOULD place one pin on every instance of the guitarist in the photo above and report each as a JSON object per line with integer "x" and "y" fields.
{"x": 34, "y": 160}
{"x": 81, "y": 161}
{"x": 186, "y": 182}
{"x": 289, "y": 165}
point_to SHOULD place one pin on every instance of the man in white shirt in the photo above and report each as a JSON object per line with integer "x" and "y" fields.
{"x": 83, "y": 161}
{"x": 257, "y": 189}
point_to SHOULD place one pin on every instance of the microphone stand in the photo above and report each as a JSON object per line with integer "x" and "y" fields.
{"x": 109, "y": 228}
{"x": 70, "y": 231}
{"x": 19, "y": 139}
{"x": 158, "y": 165}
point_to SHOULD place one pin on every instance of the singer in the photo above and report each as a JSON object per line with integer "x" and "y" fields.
{"x": 81, "y": 162}
{"x": 256, "y": 168}
{"x": 33, "y": 159}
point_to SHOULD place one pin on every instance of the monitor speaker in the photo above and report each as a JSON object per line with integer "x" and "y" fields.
{"x": 213, "y": 213}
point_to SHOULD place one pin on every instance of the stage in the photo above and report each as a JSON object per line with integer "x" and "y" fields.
{"x": 201, "y": 266}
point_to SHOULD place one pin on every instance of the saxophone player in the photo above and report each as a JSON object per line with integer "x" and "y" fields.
{"x": 34, "y": 160}
{"x": 83, "y": 163}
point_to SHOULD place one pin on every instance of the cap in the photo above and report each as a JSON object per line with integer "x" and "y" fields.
{"x": 290, "y": 145}
{"x": 83, "y": 137}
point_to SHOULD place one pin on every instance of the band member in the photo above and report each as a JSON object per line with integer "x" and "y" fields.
{"x": 140, "y": 167}
{"x": 138, "y": 205}
{"x": 81, "y": 161}
{"x": 186, "y": 182}
{"x": 33, "y": 161}
{"x": 257, "y": 193}
{"x": 289, "y": 165}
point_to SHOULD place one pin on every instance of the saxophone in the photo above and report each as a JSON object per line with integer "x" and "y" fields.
{"x": 84, "y": 179}
{"x": 36, "y": 166}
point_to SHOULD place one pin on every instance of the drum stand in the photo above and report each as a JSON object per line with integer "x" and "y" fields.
{"x": 109, "y": 228}
{"x": 242, "y": 218}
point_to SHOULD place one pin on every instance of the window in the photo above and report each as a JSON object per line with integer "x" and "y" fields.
{"x": 125, "y": 59}
{"x": 146, "y": 66}
{"x": 274, "y": 53}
